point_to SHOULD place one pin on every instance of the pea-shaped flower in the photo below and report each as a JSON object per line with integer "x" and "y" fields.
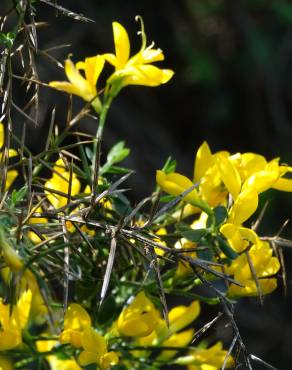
{"x": 95, "y": 351}
{"x": 139, "y": 318}
{"x": 75, "y": 322}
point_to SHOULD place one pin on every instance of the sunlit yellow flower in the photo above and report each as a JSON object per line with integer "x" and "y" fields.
{"x": 162, "y": 231}
{"x": 283, "y": 184}
{"x": 85, "y": 87}
{"x": 76, "y": 321}
{"x": 184, "y": 268}
{"x": 138, "y": 69}
{"x": 206, "y": 358}
{"x": 255, "y": 171}
{"x": 179, "y": 318}
{"x": 14, "y": 263}
{"x": 182, "y": 316}
{"x": 5, "y": 363}
{"x": 229, "y": 175}
{"x": 181, "y": 339}
{"x": 55, "y": 362}
{"x": 60, "y": 182}
{"x": 36, "y": 220}
{"x": 240, "y": 237}
{"x": 95, "y": 351}
{"x": 139, "y": 318}
{"x": 264, "y": 266}
{"x": 13, "y": 321}
{"x": 11, "y": 174}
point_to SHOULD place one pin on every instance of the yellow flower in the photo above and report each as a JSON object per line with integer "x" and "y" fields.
{"x": 184, "y": 268}
{"x": 182, "y": 316}
{"x": 60, "y": 182}
{"x": 12, "y": 174}
{"x": 162, "y": 231}
{"x": 175, "y": 184}
{"x": 283, "y": 184}
{"x": 55, "y": 362}
{"x": 95, "y": 351}
{"x": 181, "y": 339}
{"x": 13, "y": 321}
{"x": 139, "y": 318}
{"x": 264, "y": 265}
{"x": 206, "y": 358}
{"x": 240, "y": 237}
{"x": 138, "y": 69}
{"x": 15, "y": 264}
{"x": 36, "y": 220}
{"x": 229, "y": 175}
{"x": 76, "y": 321}
{"x": 80, "y": 86}
{"x": 179, "y": 317}
{"x": 5, "y": 363}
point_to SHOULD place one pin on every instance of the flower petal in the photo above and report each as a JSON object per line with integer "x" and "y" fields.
{"x": 283, "y": 184}
{"x": 203, "y": 161}
{"x": 229, "y": 175}
{"x": 65, "y": 86}
{"x": 93, "y": 68}
{"x": 244, "y": 206}
{"x": 1, "y": 135}
{"x": 122, "y": 45}
{"x": 86, "y": 358}
{"x": 109, "y": 359}
{"x": 146, "y": 75}
{"x": 175, "y": 183}
{"x": 92, "y": 341}
{"x": 181, "y": 316}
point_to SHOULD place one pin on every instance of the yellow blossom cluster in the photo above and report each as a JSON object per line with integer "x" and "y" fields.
{"x": 71, "y": 229}
{"x": 135, "y": 70}
{"x": 233, "y": 181}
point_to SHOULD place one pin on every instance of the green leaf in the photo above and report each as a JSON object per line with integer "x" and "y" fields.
{"x": 225, "y": 248}
{"x": 206, "y": 255}
{"x": 220, "y": 215}
{"x": 117, "y": 153}
{"x": 7, "y": 39}
{"x": 167, "y": 198}
{"x": 89, "y": 153}
{"x": 18, "y": 195}
{"x": 191, "y": 234}
{"x": 169, "y": 166}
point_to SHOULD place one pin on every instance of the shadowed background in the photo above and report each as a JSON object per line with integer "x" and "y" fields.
{"x": 232, "y": 87}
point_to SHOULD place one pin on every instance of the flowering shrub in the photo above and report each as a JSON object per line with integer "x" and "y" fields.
{"x": 87, "y": 279}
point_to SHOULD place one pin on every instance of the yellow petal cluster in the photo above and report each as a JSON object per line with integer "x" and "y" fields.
{"x": 13, "y": 320}
{"x": 79, "y": 333}
{"x": 158, "y": 333}
{"x": 138, "y": 69}
{"x": 95, "y": 351}
{"x": 264, "y": 265}
{"x": 83, "y": 86}
{"x": 54, "y": 361}
{"x": 60, "y": 183}
{"x": 211, "y": 358}
{"x": 76, "y": 321}
{"x": 139, "y": 318}
{"x": 11, "y": 174}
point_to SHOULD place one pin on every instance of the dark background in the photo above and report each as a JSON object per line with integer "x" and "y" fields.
{"x": 232, "y": 87}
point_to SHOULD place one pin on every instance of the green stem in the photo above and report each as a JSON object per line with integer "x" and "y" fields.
{"x": 99, "y": 133}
